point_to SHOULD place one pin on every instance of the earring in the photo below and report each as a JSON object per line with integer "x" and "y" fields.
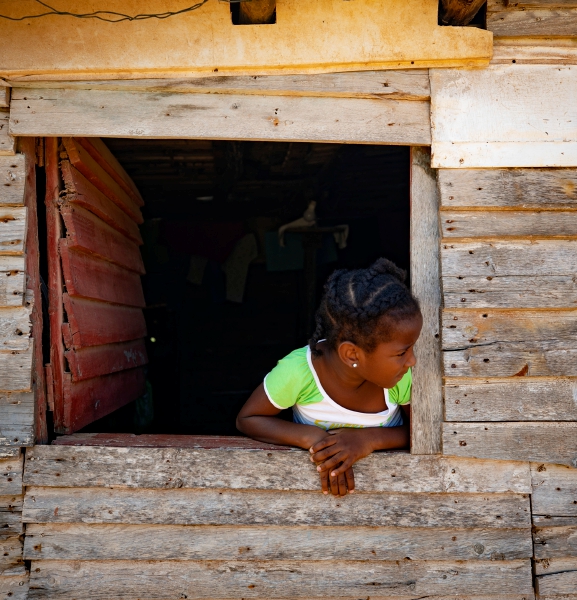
{"x": 355, "y": 365}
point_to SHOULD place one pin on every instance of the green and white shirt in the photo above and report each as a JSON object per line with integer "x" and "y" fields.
{"x": 295, "y": 383}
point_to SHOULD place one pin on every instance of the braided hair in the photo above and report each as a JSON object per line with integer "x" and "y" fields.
{"x": 361, "y": 305}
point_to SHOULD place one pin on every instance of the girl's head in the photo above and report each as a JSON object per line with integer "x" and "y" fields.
{"x": 371, "y": 319}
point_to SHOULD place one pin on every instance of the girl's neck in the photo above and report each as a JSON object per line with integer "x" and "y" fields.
{"x": 331, "y": 365}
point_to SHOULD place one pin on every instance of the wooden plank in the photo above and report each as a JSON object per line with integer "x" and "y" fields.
{"x": 180, "y": 467}
{"x": 4, "y": 94}
{"x": 521, "y": 23}
{"x": 102, "y": 360}
{"x": 271, "y": 579}
{"x": 9, "y": 452}
{"x": 508, "y": 223}
{"x": 12, "y": 280}
{"x": 555, "y": 565}
{"x": 16, "y": 419}
{"x": 14, "y": 587}
{"x": 15, "y": 374}
{"x": 521, "y": 117}
{"x": 558, "y": 583}
{"x": 15, "y": 328}
{"x": 555, "y": 542}
{"x": 410, "y": 84}
{"x": 504, "y": 343}
{"x": 427, "y": 393}
{"x": 10, "y": 554}
{"x": 100, "y": 178}
{"x": 11, "y": 470}
{"x": 499, "y": 5}
{"x": 12, "y": 179}
{"x": 103, "y": 157}
{"x": 537, "y": 54}
{"x": 81, "y": 192}
{"x": 554, "y": 490}
{"x": 90, "y": 234}
{"x": 508, "y": 188}
{"x": 91, "y": 399}
{"x": 13, "y": 225}
{"x": 506, "y": 400}
{"x": 7, "y": 146}
{"x": 95, "y": 323}
{"x": 227, "y": 507}
{"x": 173, "y": 542}
{"x": 547, "y": 442}
{"x": 218, "y": 116}
{"x": 10, "y": 516}
{"x": 90, "y": 277}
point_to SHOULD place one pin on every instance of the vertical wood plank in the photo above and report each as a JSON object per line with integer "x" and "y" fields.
{"x": 427, "y": 395}
{"x": 55, "y": 305}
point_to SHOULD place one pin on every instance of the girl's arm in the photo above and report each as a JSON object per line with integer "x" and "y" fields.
{"x": 258, "y": 419}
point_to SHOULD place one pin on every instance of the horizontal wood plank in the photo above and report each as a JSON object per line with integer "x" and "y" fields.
{"x": 88, "y": 233}
{"x": 11, "y": 470}
{"x": 557, "y": 584}
{"x": 92, "y": 399}
{"x": 554, "y": 490}
{"x": 12, "y": 178}
{"x": 81, "y": 192}
{"x": 15, "y": 375}
{"x": 219, "y": 116}
{"x": 547, "y": 442}
{"x": 273, "y": 579}
{"x": 10, "y": 554}
{"x": 537, "y": 54}
{"x": 84, "y": 466}
{"x": 508, "y": 223}
{"x": 494, "y": 343}
{"x": 7, "y": 146}
{"x": 10, "y": 523}
{"x": 211, "y": 507}
{"x": 17, "y": 414}
{"x": 499, "y": 5}
{"x": 555, "y": 565}
{"x": 90, "y": 277}
{"x": 15, "y": 328}
{"x": 91, "y": 169}
{"x": 13, "y": 226}
{"x": 173, "y": 542}
{"x": 14, "y": 587}
{"x": 9, "y": 451}
{"x": 548, "y": 22}
{"x": 555, "y": 542}
{"x": 410, "y": 84}
{"x": 12, "y": 280}
{"x": 522, "y": 399}
{"x": 508, "y": 188}
{"x": 95, "y": 323}
{"x": 87, "y": 363}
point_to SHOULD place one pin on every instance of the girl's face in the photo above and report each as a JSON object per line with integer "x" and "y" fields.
{"x": 389, "y": 361}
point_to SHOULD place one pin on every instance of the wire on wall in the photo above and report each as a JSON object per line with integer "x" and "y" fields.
{"x": 105, "y": 15}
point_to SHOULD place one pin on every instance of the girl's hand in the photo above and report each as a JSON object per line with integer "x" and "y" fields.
{"x": 339, "y": 485}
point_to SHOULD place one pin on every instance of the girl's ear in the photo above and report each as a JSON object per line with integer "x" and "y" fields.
{"x": 349, "y": 353}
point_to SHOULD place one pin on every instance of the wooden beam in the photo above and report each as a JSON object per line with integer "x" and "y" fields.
{"x": 459, "y": 12}
{"x": 256, "y": 12}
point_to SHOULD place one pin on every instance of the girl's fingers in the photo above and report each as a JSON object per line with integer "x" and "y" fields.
{"x": 341, "y": 469}
{"x": 322, "y": 455}
{"x": 334, "y": 485}
{"x": 332, "y": 462}
{"x": 325, "y": 482}
{"x": 350, "y": 477}
{"x": 342, "y": 485}
{"x": 324, "y": 443}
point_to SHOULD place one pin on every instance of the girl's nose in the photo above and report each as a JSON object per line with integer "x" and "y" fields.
{"x": 412, "y": 360}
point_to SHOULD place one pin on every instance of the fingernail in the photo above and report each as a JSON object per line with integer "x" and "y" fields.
{"x": 325, "y": 492}
{"x": 351, "y": 491}
{"x": 333, "y": 474}
{"x": 319, "y": 469}
{"x": 311, "y": 449}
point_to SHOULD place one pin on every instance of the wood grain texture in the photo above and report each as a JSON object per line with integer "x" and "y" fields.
{"x": 537, "y": 54}
{"x": 508, "y": 223}
{"x": 11, "y": 470}
{"x": 10, "y": 554}
{"x": 12, "y": 179}
{"x": 87, "y": 363}
{"x": 90, "y": 277}
{"x": 557, "y": 584}
{"x": 522, "y": 399}
{"x": 521, "y": 117}
{"x": 554, "y": 490}
{"x": 548, "y": 22}
{"x": 15, "y": 328}
{"x": 92, "y": 170}
{"x": 92, "y": 399}
{"x": 88, "y": 233}
{"x": 173, "y": 542}
{"x": 508, "y": 188}
{"x": 272, "y": 579}
{"x": 94, "y": 323}
{"x": 81, "y": 192}
{"x": 16, "y": 372}
{"x": 218, "y": 116}
{"x": 97, "y": 466}
{"x": 499, "y": 5}
{"x": 12, "y": 229}
{"x": 17, "y": 418}
{"x": 555, "y": 565}
{"x": 493, "y": 343}
{"x": 410, "y": 84}
{"x": 555, "y": 542}
{"x": 427, "y": 393}
{"x": 12, "y": 280}
{"x": 7, "y": 145}
{"x": 547, "y": 442}
{"x": 211, "y": 507}
{"x": 14, "y": 587}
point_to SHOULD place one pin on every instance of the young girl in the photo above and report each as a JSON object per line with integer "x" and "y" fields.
{"x": 350, "y": 388}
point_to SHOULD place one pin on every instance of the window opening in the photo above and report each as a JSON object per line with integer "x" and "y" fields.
{"x": 224, "y": 300}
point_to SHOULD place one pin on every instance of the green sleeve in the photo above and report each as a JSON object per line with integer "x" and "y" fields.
{"x": 284, "y": 384}
{"x": 401, "y": 393}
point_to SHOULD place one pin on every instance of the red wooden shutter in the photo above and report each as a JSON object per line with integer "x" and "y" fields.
{"x": 97, "y": 326}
